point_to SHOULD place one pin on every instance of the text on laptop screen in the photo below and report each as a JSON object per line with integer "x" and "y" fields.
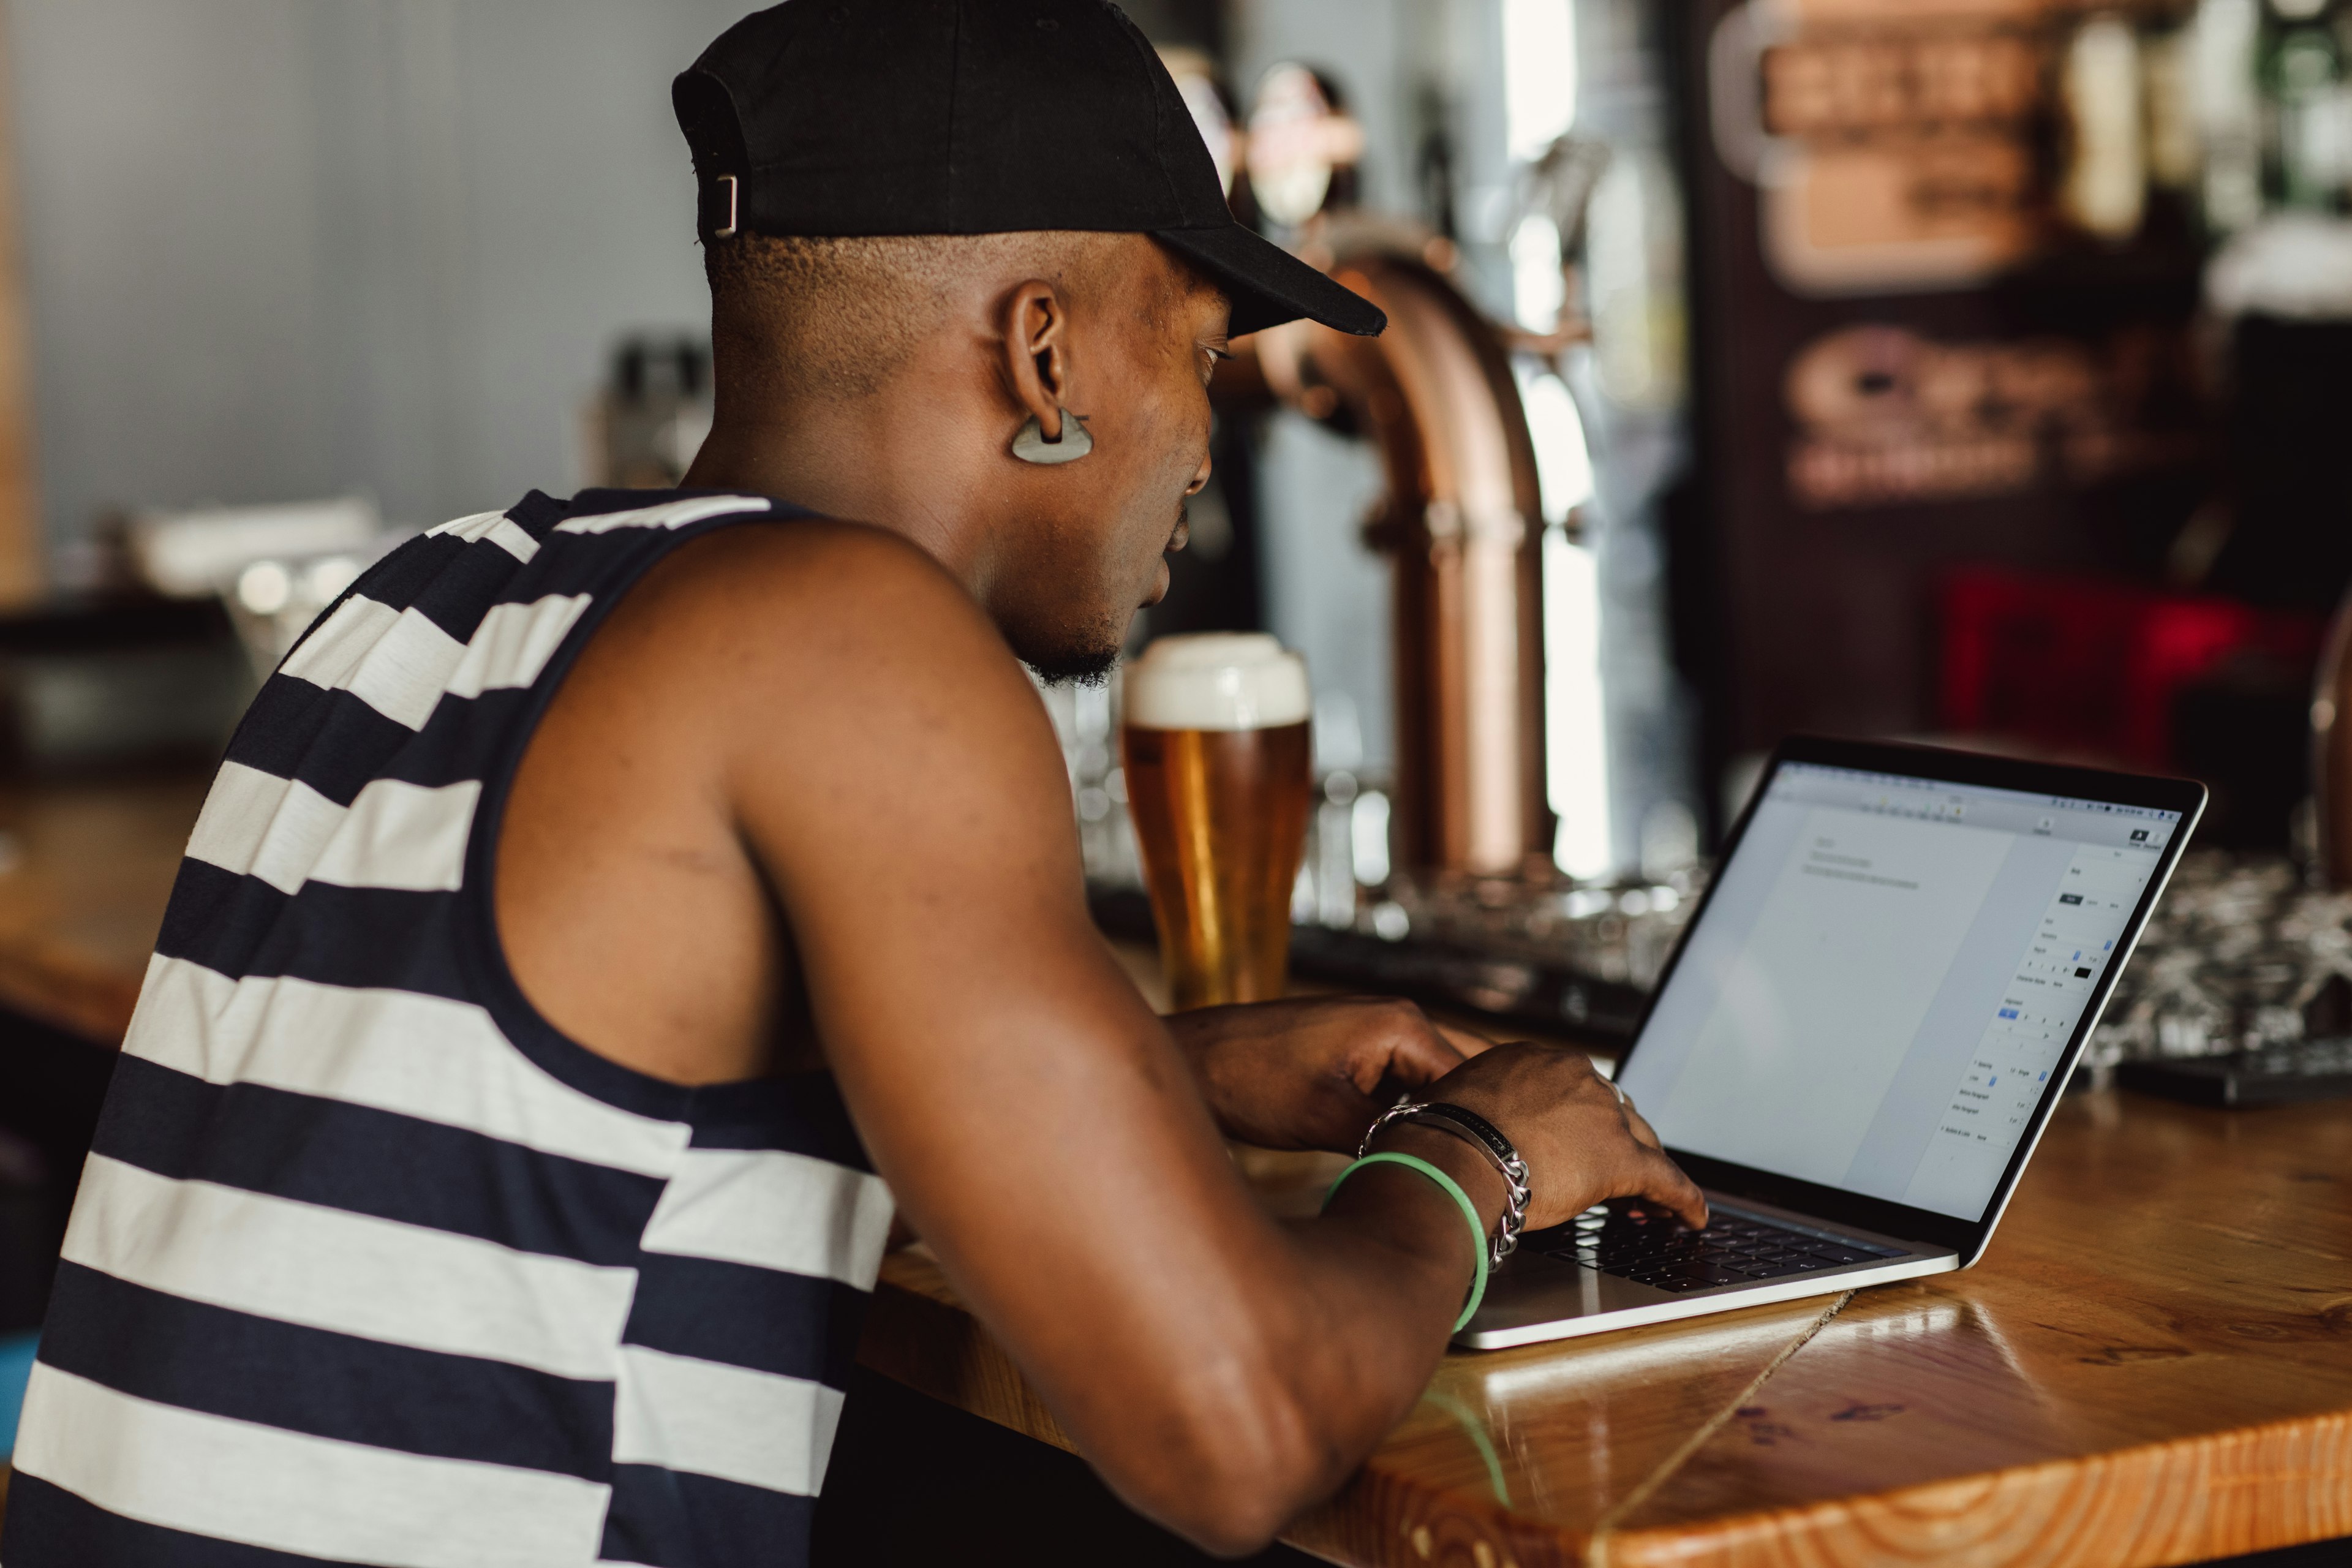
{"x": 1887, "y": 975}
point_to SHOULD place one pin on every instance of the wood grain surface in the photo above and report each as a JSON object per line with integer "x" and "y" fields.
{"x": 2152, "y": 1366}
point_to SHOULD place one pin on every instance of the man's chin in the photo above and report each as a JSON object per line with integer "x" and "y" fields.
{"x": 1072, "y": 666}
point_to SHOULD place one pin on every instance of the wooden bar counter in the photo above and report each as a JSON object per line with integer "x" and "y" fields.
{"x": 2153, "y": 1364}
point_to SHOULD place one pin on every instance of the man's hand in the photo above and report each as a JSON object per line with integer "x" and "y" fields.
{"x": 1581, "y": 1142}
{"x": 1314, "y": 1072}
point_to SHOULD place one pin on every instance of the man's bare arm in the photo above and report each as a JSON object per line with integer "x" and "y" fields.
{"x": 895, "y": 776}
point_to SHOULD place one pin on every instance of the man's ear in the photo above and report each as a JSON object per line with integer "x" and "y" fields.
{"x": 1036, "y": 354}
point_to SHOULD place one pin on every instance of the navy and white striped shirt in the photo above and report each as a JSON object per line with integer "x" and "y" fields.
{"x": 372, "y": 1264}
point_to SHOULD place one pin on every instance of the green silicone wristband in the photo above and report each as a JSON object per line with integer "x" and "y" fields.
{"x": 1453, "y": 1188}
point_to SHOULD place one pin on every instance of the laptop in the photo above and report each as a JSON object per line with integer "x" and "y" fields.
{"x": 1863, "y": 1031}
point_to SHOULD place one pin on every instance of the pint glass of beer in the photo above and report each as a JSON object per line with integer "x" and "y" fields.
{"x": 1219, "y": 777}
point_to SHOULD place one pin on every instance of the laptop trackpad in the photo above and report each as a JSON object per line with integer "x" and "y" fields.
{"x": 1533, "y": 1288}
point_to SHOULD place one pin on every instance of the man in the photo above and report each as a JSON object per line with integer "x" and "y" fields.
{"x": 475, "y": 1188}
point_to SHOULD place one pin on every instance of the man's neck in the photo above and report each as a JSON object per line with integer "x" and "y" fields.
{"x": 883, "y": 461}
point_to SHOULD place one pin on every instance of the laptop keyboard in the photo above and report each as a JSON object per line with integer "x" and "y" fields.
{"x": 1651, "y": 1247}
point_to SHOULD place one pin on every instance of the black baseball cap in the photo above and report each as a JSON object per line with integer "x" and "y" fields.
{"x": 879, "y": 117}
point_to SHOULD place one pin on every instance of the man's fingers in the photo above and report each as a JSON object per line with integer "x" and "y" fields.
{"x": 1663, "y": 1182}
{"x": 1417, "y": 1057}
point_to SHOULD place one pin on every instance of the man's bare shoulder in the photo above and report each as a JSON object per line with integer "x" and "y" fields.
{"x": 774, "y": 710}
{"x": 815, "y": 574}
{"x": 811, "y": 597}
{"x": 768, "y": 635}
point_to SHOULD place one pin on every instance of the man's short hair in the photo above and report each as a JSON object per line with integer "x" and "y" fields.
{"x": 838, "y": 317}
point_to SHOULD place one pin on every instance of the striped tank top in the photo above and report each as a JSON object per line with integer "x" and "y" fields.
{"x": 370, "y": 1264}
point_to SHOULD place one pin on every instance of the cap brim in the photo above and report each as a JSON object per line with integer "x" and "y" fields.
{"x": 1267, "y": 285}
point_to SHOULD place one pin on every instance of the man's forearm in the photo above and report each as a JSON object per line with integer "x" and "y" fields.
{"x": 1342, "y": 1336}
{"x": 1385, "y": 1272}
{"x": 1199, "y": 1034}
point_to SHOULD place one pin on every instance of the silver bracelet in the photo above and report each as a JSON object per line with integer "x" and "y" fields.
{"x": 1484, "y": 1136}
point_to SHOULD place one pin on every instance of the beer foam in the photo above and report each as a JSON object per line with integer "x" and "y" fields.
{"x": 1215, "y": 681}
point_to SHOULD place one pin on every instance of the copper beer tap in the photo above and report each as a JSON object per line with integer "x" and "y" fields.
{"x": 1461, "y": 519}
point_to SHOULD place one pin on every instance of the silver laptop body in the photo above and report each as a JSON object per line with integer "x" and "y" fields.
{"x": 1863, "y": 1031}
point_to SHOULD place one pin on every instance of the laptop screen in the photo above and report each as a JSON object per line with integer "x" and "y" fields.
{"x": 1887, "y": 972}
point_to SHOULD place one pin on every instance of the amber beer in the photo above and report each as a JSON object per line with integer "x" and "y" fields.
{"x": 1219, "y": 778}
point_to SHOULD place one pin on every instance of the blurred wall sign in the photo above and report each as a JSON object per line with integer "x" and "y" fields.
{"x": 1945, "y": 258}
{"x": 1885, "y": 415}
{"x": 1907, "y": 145}
{"x": 1891, "y": 139}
